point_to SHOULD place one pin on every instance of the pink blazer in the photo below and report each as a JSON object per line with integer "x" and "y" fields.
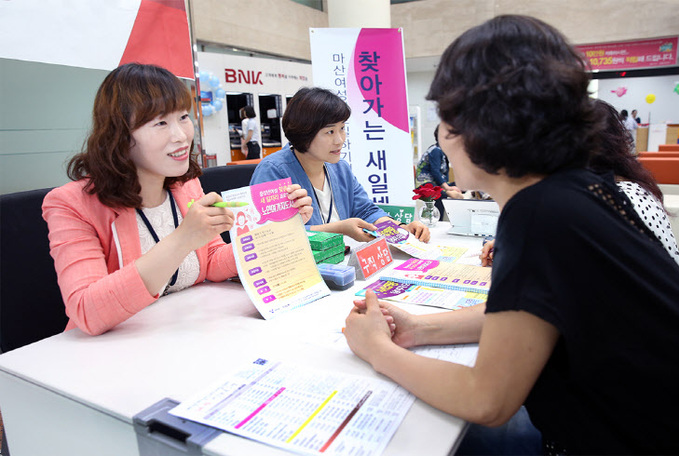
{"x": 94, "y": 248}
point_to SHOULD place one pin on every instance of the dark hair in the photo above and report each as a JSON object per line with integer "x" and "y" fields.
{"x": 624, "y": 114}
{"x": 310, "y": 110}
{"x": 517, "y": 92}
{"x": 615, "y": 152}
{"x": 249, "y": 112}
{"x": 130, "y": 96}
{"x": 436, "y": 134}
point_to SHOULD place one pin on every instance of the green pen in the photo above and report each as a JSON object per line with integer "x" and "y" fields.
{"x": 225, "y": 204}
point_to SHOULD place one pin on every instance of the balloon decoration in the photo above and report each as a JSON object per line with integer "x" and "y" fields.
{"x": 676, "y": 88}
{"x": 211, "y": 93}
{"x": 620, "y": 91}
{"x": 650, "y": 98}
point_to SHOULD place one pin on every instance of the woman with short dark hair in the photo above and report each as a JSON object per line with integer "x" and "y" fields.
{"x": 314, "y": 123}
{"x": 582, "y": 314}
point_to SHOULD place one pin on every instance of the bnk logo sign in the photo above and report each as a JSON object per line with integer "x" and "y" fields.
{"x": 243, "y": 77}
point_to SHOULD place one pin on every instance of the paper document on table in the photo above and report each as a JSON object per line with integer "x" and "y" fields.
{"x": 451, "y": 254}
{"x": 441, "y": 274}
{"x": 424, "y": 295}
{"x": 401, "y": 239}
{"x": 464, "y": 354}
{"x": 275, "y": 262}
{"x": 304, "y": 410}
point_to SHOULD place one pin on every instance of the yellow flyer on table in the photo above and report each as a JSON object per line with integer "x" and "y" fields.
{"x": 273, "y": 256}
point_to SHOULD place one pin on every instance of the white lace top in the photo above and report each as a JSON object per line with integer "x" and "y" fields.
{"x": 160, "y": 218}
{"x": 652, "y": 214}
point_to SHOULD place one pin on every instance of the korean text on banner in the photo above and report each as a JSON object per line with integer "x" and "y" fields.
{"x": 631, "y": 54}
{"x": 366, "y": 68}
{"x": 273, "y": 256}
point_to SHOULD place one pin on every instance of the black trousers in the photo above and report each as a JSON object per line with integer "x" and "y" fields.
{"x": 253, "y": 150}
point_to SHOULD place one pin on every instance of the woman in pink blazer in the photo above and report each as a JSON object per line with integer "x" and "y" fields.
{"x": 122, "y": 234}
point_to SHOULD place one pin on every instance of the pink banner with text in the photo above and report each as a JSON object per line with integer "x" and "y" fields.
{"x": 631, "y": 54}
{"x": 366, "y": 68}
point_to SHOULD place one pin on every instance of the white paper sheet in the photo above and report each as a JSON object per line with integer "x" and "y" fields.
{"x": 304, "y": 410}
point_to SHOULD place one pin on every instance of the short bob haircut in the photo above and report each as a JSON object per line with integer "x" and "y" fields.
{"x": 130, "y": 96}
{"x": 310, "y": 110}
{"x": 517, "y": 93}
{"x": 247, "y": 112}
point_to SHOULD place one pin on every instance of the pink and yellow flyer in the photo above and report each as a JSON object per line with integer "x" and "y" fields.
{"x": 274, "y": 259}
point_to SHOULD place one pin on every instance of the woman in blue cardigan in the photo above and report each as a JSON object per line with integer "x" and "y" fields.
{"x": 314, "y": 123}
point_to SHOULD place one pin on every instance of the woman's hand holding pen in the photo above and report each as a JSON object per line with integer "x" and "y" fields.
{"x": 301, "y": 201}
{"x": 487, "y": 253}
{"x": 353, "y": 227}
{"x": 200, "y": 225}
{"x": 203, "y": 222}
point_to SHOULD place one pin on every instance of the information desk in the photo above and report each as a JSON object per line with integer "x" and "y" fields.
{"x": 74, "y": 394}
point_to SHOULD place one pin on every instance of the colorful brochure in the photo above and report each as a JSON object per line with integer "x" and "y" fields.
{"x": 424, "y": 295}
{"x": 301, "y": 409}
{"x": 273, "y": 256}
{"x": 400, "y": 238}
{"x": 439, "y": 274}
{"x": 450, "y": 253}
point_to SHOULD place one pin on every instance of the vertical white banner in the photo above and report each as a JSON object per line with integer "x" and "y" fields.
{"x": 366, "y": 68}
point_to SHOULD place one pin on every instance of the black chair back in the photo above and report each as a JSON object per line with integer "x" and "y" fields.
{"x": 31, "y": 307}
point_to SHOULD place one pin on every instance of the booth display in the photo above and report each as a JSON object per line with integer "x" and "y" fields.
{"x": 260, "y": 83}
{"x": 234, "y": 102}
{"x": 181, "y": 345}
{"x": 270, "y": 106}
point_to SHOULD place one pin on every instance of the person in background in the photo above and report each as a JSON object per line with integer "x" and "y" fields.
{"x": 251, "y": 137}
{"x": 636, "y": 118}
{"x": 433, "y": 167}
{"x": 583, "y": 304}
{"x": 122, "y": 234}
{"x": 314, "y": 123}
{"x": 631, "y": 126}
{"x": 638, "y": 184}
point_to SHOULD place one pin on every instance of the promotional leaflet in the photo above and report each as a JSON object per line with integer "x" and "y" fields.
{"x": 303, "y": 410}
{"x": 400, "y": 238}
{"x": 450, "y": 253}
{"x": 273, "y": 256}
{"x": 439, "y": 274}
{"x": 424, "y": 295}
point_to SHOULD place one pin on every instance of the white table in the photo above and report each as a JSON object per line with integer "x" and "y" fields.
{"x": 73, "y": 394}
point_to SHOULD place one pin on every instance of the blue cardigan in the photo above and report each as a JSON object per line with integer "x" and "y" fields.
{"x": 349, "y": 196}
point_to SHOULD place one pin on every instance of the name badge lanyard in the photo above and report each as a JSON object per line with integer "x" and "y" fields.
{"x": 332, "y": 196}
{"x": 153, "y": 232}
{"x": 318, "y": 201}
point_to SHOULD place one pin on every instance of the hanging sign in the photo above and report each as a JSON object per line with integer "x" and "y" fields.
{"x": 631, "y": 54}
{"x": 366, "y": 68}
